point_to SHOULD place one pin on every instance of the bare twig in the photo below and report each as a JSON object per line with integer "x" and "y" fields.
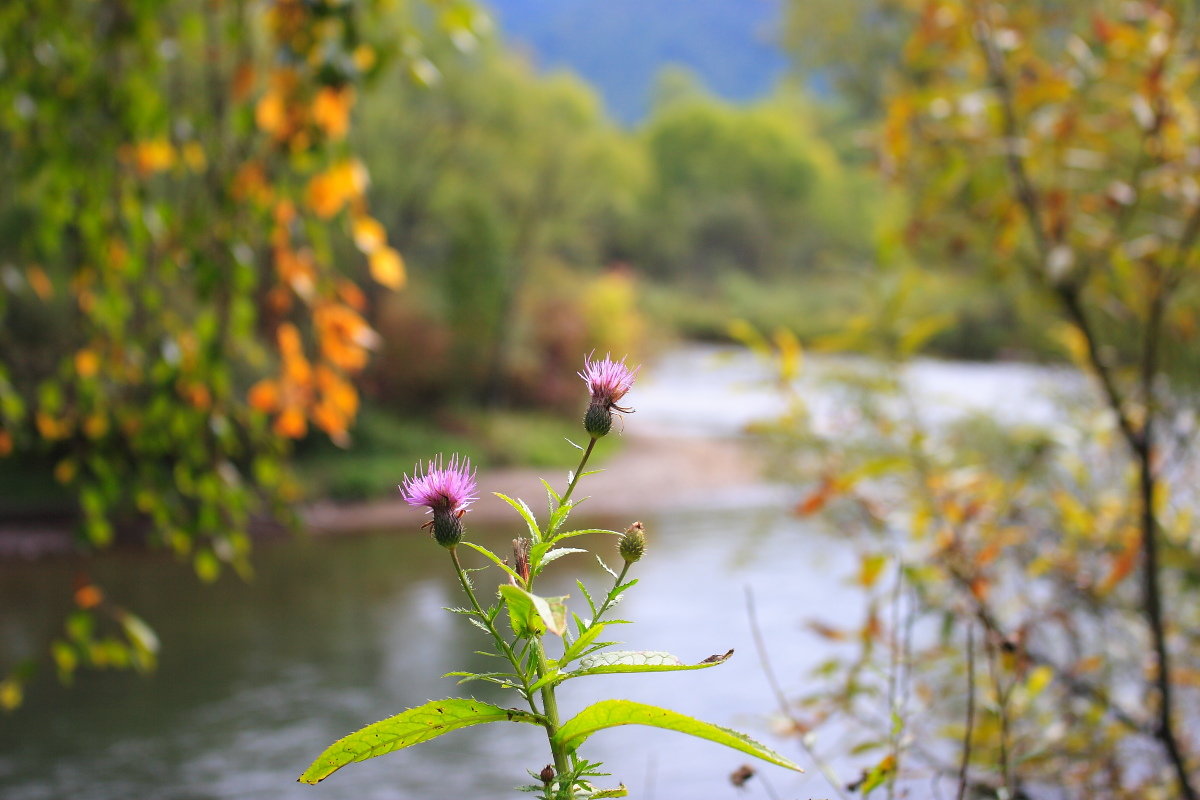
{"x": 781, "y": 700}
{"x": 970, "y": 729}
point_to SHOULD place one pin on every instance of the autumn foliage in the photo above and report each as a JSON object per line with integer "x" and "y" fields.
{"x": 177, "y": 176}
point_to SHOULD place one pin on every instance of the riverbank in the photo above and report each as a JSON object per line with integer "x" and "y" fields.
{"x": 651, "y": 474}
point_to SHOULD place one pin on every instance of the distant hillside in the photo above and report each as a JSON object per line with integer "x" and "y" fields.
{"x": 621, "y": 45}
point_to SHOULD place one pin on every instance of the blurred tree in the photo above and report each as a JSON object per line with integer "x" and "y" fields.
{"x": 1053, "y": 145}
{"x": 848, "y": 46}
{"x": 172, "y": 314}
{"x": 754, "y": 189}
{"x": 499, "y": 176}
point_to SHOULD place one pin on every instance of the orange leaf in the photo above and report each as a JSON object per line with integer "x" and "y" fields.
{"x": 1123, "y": 563}
{"x": 88, "y": 596}
{"x": 6, "y": 443}
{"x": 264, "y": 395}
{"x": 291, "y": 424}
{"x": 87, "y": 363}
{"x": 40, "y": 282}
{"x": 288, "y": 337}
{"x": 243, "y": 81}
{"x": 331, "y": 110}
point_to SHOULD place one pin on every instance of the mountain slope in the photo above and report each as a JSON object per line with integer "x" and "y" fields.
{"x": 620, "y": 46}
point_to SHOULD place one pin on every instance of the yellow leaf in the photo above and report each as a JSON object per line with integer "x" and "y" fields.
{"x": 387, "y": 267}
{"x": 791, "y": 355}
{"x": 153, "y": 155}
{"x": 1038, "y": 680}
{"x": 369, "y": 234}
{"x": 193, "y": 156}
{"x": 870, "y": 568}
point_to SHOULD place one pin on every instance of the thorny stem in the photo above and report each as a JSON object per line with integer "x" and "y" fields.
{"x": 550, "y": 708}
{"x": 487, "y": 621}
{"x": 549, "y": 702}
{"x": 1139, "y": 438}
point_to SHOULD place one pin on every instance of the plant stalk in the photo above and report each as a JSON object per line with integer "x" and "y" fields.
{"x": 503, "y": 645}
{"x": 578, "y": 471}
{"x": 550, "y": 710}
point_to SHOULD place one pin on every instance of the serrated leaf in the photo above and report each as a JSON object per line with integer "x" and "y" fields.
{"x": 620, "y": 791}
{"x": 613, "y": 713}
{"x": 584, "y": 532}
{"x": 577, "y": 647}
{"x": 586, "y": 596}
{"x": 639, "y": 661}
{"x": 407, "y": 728}
{"x": 526, "y": 514}
{"x": 553, "y": 498}
{"x": 558, "y": 515}
{"x": 606, "y": 568}
{"x": 558, "y": 553}
{"x": 490, "y": 556}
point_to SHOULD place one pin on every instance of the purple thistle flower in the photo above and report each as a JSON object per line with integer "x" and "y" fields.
{"x": 447, "y": 490}
{"x": 607, "y": 381}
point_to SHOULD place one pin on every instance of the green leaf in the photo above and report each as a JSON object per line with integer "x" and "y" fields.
{"x": 620, "y": 791}
{"x": 579, "y": 645}
{"x": 546, "y": 556}
{"x": 408, "y": 728}
{"x": 526, "y": 514}
{"x": 553, "y": 498}
{"x": 612, "y": 713}
{"x": 584, "y": 532}
{"x": 531, "y": 615}
{"x": 586, "y": 596}
{"x": 495, "y": 559}
{"x": 639, "y": 661}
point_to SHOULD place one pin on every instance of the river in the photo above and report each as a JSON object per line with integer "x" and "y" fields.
{"x": 334, "y": 632}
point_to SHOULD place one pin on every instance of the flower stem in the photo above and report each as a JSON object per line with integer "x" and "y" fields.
{"x": 487, "y": 621}
{"x": 578, "y": 471}
{"x": 608, "y": 600}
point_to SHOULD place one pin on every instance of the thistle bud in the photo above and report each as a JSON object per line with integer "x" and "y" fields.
{"x": 598, "y": 419}
{"x": 547, "y": 774}
{"x": 521, "y": 558}
{"x": 447, "y": 527}
{"x": 633, "y": 543}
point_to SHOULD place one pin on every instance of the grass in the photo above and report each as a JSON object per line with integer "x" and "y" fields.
{"x": 387, "y": 445}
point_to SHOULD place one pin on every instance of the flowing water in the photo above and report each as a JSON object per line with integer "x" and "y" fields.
{"x": 257, "y": 678}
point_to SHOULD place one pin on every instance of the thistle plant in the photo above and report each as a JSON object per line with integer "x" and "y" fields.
{"x": 542, "y": 643}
